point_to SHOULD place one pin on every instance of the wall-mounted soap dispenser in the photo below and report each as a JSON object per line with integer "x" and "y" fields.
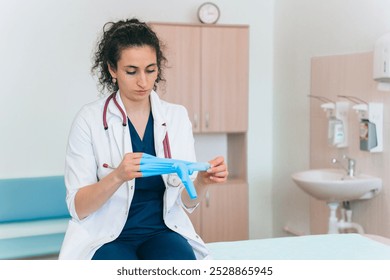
{"x": 371, "y": 126}
{"x": 337, "y": 114}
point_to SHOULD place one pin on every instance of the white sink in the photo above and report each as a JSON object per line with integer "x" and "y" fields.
{"x": 333, "y": 185}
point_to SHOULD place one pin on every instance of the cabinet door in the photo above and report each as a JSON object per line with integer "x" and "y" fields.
{"x": 224, "y": 213}
{"x": 182, "y": 74}
{"x": 224, "y": 79}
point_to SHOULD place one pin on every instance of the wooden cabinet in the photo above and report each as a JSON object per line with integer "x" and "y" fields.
{"x": 223, "y": 214}
{"x": 207, "y": 73}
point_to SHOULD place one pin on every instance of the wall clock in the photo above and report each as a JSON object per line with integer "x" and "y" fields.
{"x": 208, "y": 13}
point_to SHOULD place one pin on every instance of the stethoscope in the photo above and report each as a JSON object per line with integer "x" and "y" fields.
{"x": 171, "y": 180}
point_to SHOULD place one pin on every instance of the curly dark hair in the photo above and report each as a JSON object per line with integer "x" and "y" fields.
{"x": 118, "y": 36}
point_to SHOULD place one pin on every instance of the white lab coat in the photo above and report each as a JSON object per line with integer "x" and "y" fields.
{"x": 89, "y": 147}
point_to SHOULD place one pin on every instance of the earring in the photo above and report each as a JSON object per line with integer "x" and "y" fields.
{"x": 114, "y": 80}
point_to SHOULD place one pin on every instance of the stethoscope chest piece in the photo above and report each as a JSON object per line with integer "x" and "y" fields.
{"x": 173, "y": 180}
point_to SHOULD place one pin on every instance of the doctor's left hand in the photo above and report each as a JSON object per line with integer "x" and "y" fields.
{"x": 217, "y": 173}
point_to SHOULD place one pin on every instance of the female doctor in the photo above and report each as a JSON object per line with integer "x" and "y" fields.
{"x": 117, "y": 213}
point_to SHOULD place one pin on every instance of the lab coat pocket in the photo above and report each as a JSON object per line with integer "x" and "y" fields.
{"x": 103, "y": 171}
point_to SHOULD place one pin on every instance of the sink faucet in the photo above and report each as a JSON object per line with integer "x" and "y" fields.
{"x": 351, "y": 169}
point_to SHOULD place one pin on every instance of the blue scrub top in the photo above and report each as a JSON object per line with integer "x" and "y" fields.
{"x": 146, "y": 210}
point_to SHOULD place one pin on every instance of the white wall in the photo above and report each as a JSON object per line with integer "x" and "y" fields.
{"x": 303, "y": 29}
{"x": 45, "y": 54}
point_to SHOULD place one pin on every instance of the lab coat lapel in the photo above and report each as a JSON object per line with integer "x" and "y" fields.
{"x": 119, "y": 132}
{"x": 160, "y": 125}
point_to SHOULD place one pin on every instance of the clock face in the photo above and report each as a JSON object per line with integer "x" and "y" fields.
{"x": 208, "y": 13}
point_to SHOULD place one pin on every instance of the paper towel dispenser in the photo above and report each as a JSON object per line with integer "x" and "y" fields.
{"x": 382, "y": 59}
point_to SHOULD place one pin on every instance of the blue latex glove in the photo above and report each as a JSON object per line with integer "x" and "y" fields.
{"x": 152, "y": 166}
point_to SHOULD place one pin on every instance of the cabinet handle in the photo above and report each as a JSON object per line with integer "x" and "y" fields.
{"x": 207, "y": 199}
{"x": 196, "y": 121}
{"x": 207, "y": 119}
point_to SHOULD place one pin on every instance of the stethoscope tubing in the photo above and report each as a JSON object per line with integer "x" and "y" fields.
{"x": 166, "y": 145}
{"x": 124, "y": 117}
{"x": 167, "y": 153}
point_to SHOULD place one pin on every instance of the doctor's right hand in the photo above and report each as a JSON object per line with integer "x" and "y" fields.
{"x": 129, "y": 168}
